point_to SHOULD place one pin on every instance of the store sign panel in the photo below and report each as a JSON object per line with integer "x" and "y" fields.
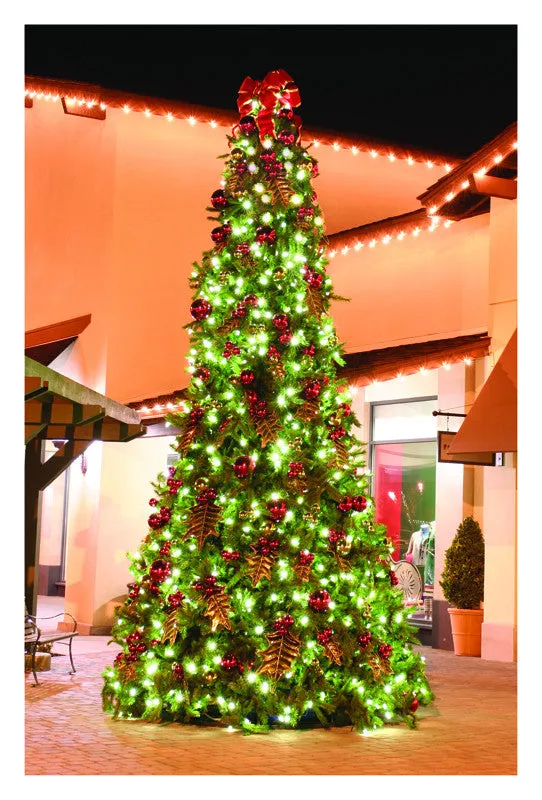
{"x": 445, "y": 439}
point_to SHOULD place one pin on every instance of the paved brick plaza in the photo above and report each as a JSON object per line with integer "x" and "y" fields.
{"x": 470, "y": 730}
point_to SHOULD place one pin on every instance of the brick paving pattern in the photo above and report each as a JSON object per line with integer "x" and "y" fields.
{"x": 469, "y": 730}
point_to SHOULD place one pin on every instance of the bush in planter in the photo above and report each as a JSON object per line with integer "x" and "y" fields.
{"x": 463, "y": 575}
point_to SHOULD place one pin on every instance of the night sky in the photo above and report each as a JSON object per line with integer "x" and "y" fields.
{"x": 445, "y": 88}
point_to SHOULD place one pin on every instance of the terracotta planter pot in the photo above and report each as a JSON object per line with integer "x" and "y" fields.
{"x": 467, "y": 630}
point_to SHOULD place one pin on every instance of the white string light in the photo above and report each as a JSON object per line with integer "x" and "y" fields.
{"x": 192, "y": 120}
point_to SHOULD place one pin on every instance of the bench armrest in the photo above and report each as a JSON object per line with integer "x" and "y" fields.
{"x": 61, "y": 614}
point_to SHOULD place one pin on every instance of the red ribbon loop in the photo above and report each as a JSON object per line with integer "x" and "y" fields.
{"x": 276, "y": 87}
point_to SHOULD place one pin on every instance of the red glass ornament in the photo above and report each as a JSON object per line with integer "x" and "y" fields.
{"x": 178, "y": 671}
{"x": 306, "y": 558}
{"x": 200, "y": 308}
{"x": 176, "y": 599}
{"x": 241, "y": 167}
{"x": 277, "y": 509}
{"x": 251, "y": 300}
{"x": 345, "y": 504}
{"x": 159, "y": 570}
{"x": 305, "y": 212}
{"x": 324, "y": 636}
{"x": 319, "y": 600}
{"x": 268, "y": 155}
{"x": 346, "y": 409}
{"x": 312, "y": 390}
{"x": 243, "y": 467}
{"x": 133, "y": 590}
{"x": 280, "y": 321}
{"x": 219, "y": 199}
{"x": 266, "y": 235}
{"x": 248, "y": 125}
{"x": 286, "y": 137}
{"x": 414, "y": 705}
{"x": 219, "y": 235}
{"x": 261, "y": 409}
{"x": 165, "y": 512}
{"x": 310, "y": 350}
{"x": 153, "y": 501}
{"x": 164, "y": 550}
{"x": 359, "y": 503}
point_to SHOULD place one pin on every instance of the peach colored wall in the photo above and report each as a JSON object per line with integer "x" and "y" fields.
{"x": 116, "y": 214}
{"x": 428, "y": 287}
{"x": 127, "y": 472}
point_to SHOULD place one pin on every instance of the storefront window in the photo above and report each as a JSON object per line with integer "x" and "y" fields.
{"x": 403, "y": 463}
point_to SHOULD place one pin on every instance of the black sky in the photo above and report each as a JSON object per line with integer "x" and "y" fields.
{"x": 444, "y": 88}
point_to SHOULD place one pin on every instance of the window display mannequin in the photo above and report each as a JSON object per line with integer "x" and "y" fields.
{"x": 417, "y": 546}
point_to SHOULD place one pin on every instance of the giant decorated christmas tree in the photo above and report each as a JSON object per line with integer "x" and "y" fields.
{"x": 263, "y": 593}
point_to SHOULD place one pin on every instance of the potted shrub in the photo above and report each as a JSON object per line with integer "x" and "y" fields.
{"x": 462, "y": 583}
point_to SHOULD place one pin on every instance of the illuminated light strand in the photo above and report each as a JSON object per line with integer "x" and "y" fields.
{"x": 491, "y": 161}
{"x": 387, "y": 238}
{"x": 192, "y": 120}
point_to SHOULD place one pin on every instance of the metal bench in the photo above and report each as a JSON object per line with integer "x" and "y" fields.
{"x": 34, "y": 637}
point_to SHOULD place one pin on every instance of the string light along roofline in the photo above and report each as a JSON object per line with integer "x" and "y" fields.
{"x": 91, "y": 100}
{"x": 480, "y": 163}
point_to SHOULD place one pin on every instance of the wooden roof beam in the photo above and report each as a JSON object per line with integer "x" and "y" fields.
{"x": 494, "y": 187}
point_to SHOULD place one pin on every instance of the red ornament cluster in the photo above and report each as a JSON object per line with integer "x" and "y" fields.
{"x": 266, "y": 235}
{"x": 246, "y": 377}
{"x": 243, "y": 467}
{"x": 174, "y": 485}
{"x": 312, "y": 390}
{"x": 207, "y": 496}
{"x": 203, "y": 373}
{"x": 178, "y": 671}
{"x": 283, "y": 624}
{"x": 324, "y": 636}
{"x": 159, "y": 520}
{"x": 266, "y": 546}
{"x": 305, "y": 558}
{"x": 159, "y": 570}
{"x": 357, "y": 503}
{"x": 295, "y": 469}
{"x": 336, "y": 536}
{"x": 231, "y": 349}
{"x": 384, "y": 650}
{"x": 394, "y": 580}
{"x": 230, "y": 555}
{"x": 364, "y": 639}
{"x": 136, "y": 646}
{"x": 319, "y": 600}
{"x": 277, "y": 509}
{"x": 230, "y": 662}
{"x": 208, "y": 586}
{"x": 175, "y": 600}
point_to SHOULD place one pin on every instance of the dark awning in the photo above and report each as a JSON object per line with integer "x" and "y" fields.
{"x": 491, "y": 424}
